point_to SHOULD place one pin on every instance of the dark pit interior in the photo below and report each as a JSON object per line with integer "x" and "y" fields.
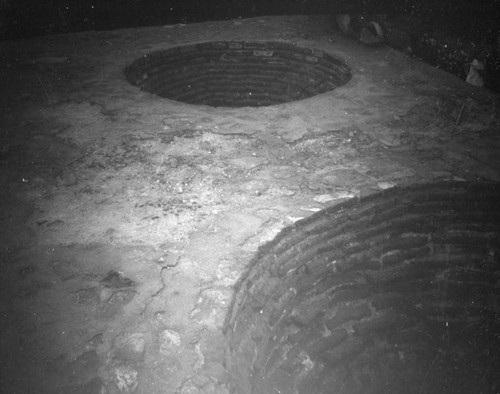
{"x": 398, "y": 292}
{"x": 238, "y": 73}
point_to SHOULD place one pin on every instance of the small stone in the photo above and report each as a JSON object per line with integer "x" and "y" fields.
{"x": 170, "y": 340}
{"x": 322, "y": 198}
{"x": 125, "y": 378}
{"x": 168, "y": 260}
{"x": 385, "y": 185}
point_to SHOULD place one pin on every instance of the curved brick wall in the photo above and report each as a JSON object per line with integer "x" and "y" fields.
{"x": 238, "y": 73}
{"x": 398, "y": 292}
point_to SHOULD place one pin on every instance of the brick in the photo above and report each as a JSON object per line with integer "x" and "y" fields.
{"x": 329, "y": 85}
{"x": 333, "y": 217}
{"x": 405, "y": 255}
{"x": 309, "y": 257}
{"x": 308, "y": 282}
{"x": 385, "y": 216}
{"x": 281, "y": 305}
{"x": 363, "y": 228}
{"x": 345, "y": 280}
{"x": 334, "y": 258}
{"x": 323, "y": 264}
{"x": 389, "y": 258}
{"x": 235, "y": 45}
{"x": 299, "y": 58}
{"x": 308, "y": 310}
{"x": 395, "y": 273}
{"x": 354, "y": 246}
{"x": 350, "y": 294}
{"x": 311, "y": 59}
{"x": 255, "y": 45}
{"x": 437, "y": 208}
{"x": 283, "y": 46}
{"x": 358, "y": 262}
{"x": 262, "y": 290}
{"x": 378, "y": 323}
{"x": 414, "y": 223}
{"x": 318, "y": 344}
{"x": 391, "y": 300}
{"x": 318, "y": 53}
{"x": 362, "y": 211}
{"x": 405, "y": 241}
{"x": 346, "y": 313}
{"x": 344, "y": 352}
{"x": 213, "y": 44}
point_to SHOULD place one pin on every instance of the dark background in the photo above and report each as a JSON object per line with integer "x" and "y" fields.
{"x": 447, "y": 34}
{"x": 25, "y": 18}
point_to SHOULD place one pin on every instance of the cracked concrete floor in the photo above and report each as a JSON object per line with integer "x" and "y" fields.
{"x": 127, "y": 218}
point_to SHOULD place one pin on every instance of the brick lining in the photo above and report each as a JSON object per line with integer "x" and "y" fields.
{"x": 238, "y": 73}
{"x": 395, "y": 292}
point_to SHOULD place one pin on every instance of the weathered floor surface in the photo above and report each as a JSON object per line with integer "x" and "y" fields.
{"x": 126, "y": 218}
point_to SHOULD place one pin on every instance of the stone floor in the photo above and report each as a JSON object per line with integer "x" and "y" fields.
{"x": 128, "y": 218}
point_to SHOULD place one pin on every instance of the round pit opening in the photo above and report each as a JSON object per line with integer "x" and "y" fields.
{"x": 398, "y": 292}
{"x": 238, "y": 73}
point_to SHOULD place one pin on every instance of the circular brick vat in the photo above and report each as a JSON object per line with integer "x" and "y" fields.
{"x": 238, "y": 73}
{"x": 398, "y": 292}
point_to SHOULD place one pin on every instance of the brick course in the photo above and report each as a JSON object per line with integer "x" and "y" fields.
{"x": 366, "y": 296}
{"x": 238, "y": 73}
